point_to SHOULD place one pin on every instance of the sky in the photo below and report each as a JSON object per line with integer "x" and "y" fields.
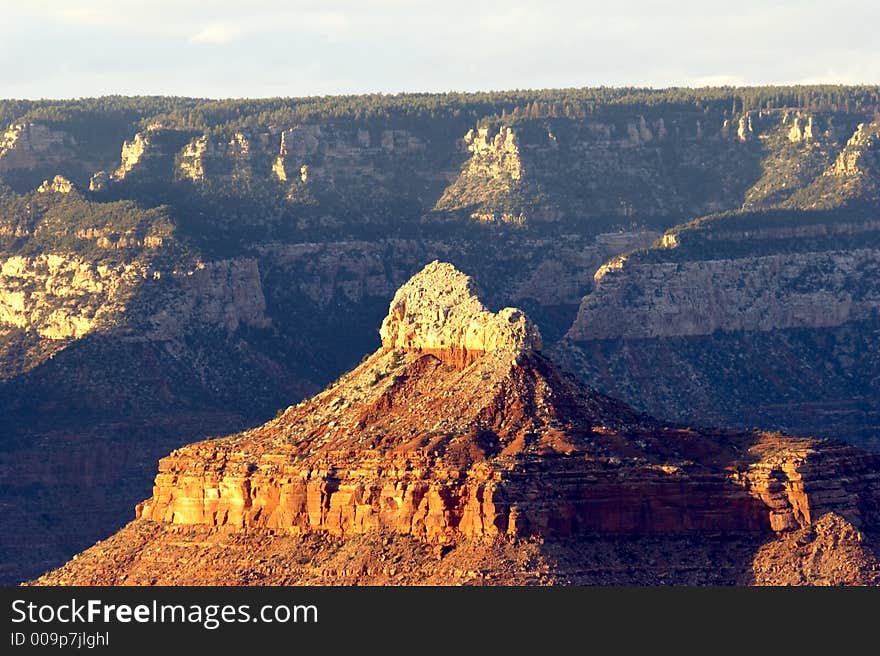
{"x": 259, "y": 48}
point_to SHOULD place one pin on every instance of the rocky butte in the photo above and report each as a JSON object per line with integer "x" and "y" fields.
{"x": 458, "y": 454}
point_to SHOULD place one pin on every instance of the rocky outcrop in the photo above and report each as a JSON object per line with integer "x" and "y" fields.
{"x": 28, "y": 145}
{"x": 497, "y": 163}
{"x": 438, "y": 312}
{"x": 853, "y": 175}
{"x": 744, "y": 129}
{"x": 191, "y": 164}
{"x": 133, "y": 153}
{"x": 804, "y": 480}
{"x": 150, "y": 154}
{"x": 797, "y": 150}
{"x": 495, "y": 156}
{"x": 854, "y": 160}
{"x": 801, "y": 129}
{"x": 334, "y": 154}
{"x": 98, "y": 181}
{"x": 59, "y": 185}
{"x": 217, "y": 157}
{"x": 831, "y": 551}
{"x": 62, "y": 297}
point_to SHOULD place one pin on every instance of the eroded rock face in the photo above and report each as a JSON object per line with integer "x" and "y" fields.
{"x": 438, "y": 312}
{"x": 497, "y": 163}
{"x": 853, "y": 175}
{"x": 756, "y": 322}
{"x": 62, "y": 297}
{"x": 25, "y": 145}
{"x": 59, "y": 185}
{"x": 150, "y": 154}
{"x": 216, "y": 156}
{"x": 636, "y": 300}
{"x": 133, "y": 152}
{"x": 226, "y": 293}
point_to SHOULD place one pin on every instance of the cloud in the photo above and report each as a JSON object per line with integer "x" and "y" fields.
{"x": 217, "y": 34}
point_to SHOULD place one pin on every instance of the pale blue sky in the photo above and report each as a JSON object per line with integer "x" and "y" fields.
{"x": 251, "y": 48}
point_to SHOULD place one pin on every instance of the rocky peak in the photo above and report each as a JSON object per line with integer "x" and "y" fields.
{"x": 192, "y": 165}
{"x": 438, "y": 311}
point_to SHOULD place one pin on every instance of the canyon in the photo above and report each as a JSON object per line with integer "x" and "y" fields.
{"x": 172, "y": 269}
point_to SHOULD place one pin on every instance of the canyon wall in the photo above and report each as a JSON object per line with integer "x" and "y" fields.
{"x": 759, "y": 323}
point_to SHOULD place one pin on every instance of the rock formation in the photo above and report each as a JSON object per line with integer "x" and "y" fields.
{"x": 133, "y": 152}
{"x": 854, "y": 175}
{"x": 801, "y": 129}
{"x": 27, "y": 145}
{"x": 438, "y": 312}
{"x": 59, "y": 185}
{"x": 496, "y": 162}
{"x": 192, "y": 165}
{"x": 60, "y": 297}
{"x": 149, "y": 155}
{"x": 496, "y": 460}
{"x": 734, "y": 305}
{"x": 760, "y": 293}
